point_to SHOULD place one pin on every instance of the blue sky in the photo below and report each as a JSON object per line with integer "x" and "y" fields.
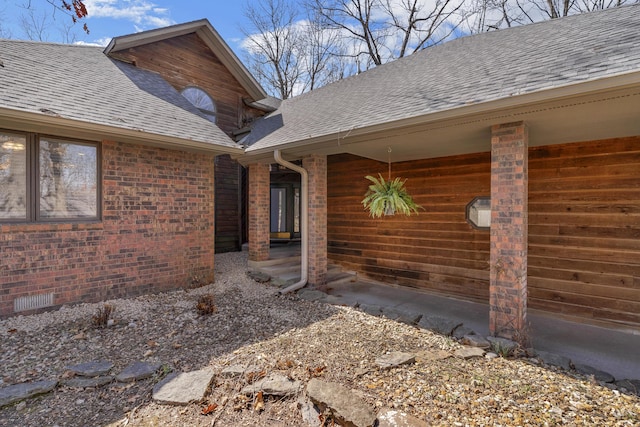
{"x": 109, "y": 18}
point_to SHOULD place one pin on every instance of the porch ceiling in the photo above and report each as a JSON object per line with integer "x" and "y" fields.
{"x": 572, "y": 119}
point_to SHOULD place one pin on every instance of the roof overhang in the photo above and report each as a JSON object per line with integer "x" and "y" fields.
{"x": 599, "y": 109}
{"x": 212, "y": 39}
{"x": 27, "y": 121}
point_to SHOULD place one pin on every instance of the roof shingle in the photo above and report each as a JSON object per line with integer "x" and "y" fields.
{"x": 81, "y": 83}
{"x": 466, "y": 71}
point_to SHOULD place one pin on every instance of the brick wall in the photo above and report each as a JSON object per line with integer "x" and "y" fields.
{"x": 509, "y": 221}
{"x": 259, "y": 206}
{"x": 316, "y": 167}
{"x": 156, "y": 234}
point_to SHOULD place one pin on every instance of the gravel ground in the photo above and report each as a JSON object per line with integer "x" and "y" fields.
{"x": 254, "y": 327}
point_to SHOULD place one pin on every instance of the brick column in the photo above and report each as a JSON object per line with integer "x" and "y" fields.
{"x": 259, "y": 205}
{"x": 316, "y": 167}
{"x": 509, "y": 221}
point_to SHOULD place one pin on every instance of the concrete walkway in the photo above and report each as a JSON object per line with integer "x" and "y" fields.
{"x": 614, "y": 351}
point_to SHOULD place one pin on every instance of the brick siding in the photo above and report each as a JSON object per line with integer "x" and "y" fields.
{"x": 316, "y": 167}
{"x": 156, "y": 234}
{"x": 259, "y": 206}
{"x": 509, "y": 221}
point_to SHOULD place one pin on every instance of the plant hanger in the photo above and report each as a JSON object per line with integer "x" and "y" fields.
{"x": 388, "y": 197}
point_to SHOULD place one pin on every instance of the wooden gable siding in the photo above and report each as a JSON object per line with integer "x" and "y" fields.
{"x": 187, "y": 61}
{"x": 584, "y": 228}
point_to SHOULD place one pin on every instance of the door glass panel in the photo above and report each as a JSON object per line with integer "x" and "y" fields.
{"x": 13, "y": 176}
{"x": 296, "y": 210}
{"x": 278, "y": 210}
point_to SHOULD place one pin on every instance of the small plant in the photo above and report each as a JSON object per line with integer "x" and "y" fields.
{"x": 388, "y": 198}
{"x": 103, "y": 317}
{"x": 206, "y": 305}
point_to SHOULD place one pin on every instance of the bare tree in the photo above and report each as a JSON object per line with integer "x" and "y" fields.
{"x": 321, "y": 55}
{"x": 383, "y": 30}
{"x": 271, "y": 45}
{"x": 496, "y": 14}
{"x": 288, "y": 54}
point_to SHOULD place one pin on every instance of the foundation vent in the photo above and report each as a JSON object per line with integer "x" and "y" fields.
{"x": 32, "y": 302}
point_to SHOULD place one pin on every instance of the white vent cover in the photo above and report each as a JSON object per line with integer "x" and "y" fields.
{"x": 32, "y": 302}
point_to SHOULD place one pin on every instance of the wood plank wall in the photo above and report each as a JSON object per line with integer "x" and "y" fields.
{"x": 187, "y": 61}
{"x": 584, "y": 228}
{"x": 435, "y": 250}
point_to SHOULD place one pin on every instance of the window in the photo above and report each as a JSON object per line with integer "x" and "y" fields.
{"x": 479, "y": 213}
{"x": 47, "y": 179}
{"x": 202, "y": 101}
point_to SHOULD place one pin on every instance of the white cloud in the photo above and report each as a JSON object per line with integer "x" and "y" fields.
{"x": 102, "y": 42}
{"x": 142, "y": 13}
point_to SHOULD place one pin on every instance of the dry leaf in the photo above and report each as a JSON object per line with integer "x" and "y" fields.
{"x": 209, "y": 409}
{"x": 255, "y": 376}
{"x": 152, "y": 343}
{"x": 258, "y": 405}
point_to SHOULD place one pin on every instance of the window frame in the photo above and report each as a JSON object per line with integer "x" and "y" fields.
{"x": 207, "y": 113}
{"x": 32, "y": 179}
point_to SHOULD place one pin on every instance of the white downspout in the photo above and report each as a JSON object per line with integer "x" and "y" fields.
{"x": 304, "y": 221}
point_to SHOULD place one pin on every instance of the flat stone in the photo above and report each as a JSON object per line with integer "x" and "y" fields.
{"x": 469, "y": 352}
{"x": 86, "y": 382}
{"x": 393, "y": 359}
{"x": 462, "y": 331}
{"x": 236, "y": 371}
{"x": 428, "y": 356}
{"x": 440, "y": 325}
{"x": 333, "y": 300}
{"x": 346, "y": 407}
{"x": 502, "y": 346}
{"x": 183, "y": 388}
{"x": 311, "y": 295}
{"x": 138, "y": 371}
{"x": 92, "y": 369}
{"x": 374, "y": 310}
{"x": 275, "y": 385}
{"x": 490, "y": 355}
{"x": 15, "y": 393}
{"x": 309, "y": 412}
{"x": 393, "y": 418}
{"x": 632, "y": 386}
{"x": 601, "y": 376}
{"x": 408, "y": 317}
{"x": 259, "y": 276}
{"x": 475, "y": 341}
{"x": 554, "y": 359}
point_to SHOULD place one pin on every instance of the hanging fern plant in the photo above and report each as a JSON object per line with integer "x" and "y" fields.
{"x": 388, "y": 197}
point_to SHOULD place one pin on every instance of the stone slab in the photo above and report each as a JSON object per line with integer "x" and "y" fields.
{"x": 236, "y": 371}
{"x": 17, "y": 392}
{"x": 275, "y": 385}
{"x": 138, "y": 371}
{"x": 469, "y": 352}
{"x": 311, "y": 295}
{"x": 393, "y": 359}
{"x": 475, "y": 341}
{"x": 348, "y": 408}
{"x": 440, "y": 325}
{"x": 92, "y": 369}
{"x": 601, "y": 376}
{"x": 393, "y": 418}
{"x": 86, "y": 382}
{"x": 554, "y": 359}
{"x": 183, "y": 388}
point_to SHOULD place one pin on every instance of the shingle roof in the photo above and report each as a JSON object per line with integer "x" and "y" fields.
{"x": 466, "y": 71}
{"x": 81, "y": 83}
